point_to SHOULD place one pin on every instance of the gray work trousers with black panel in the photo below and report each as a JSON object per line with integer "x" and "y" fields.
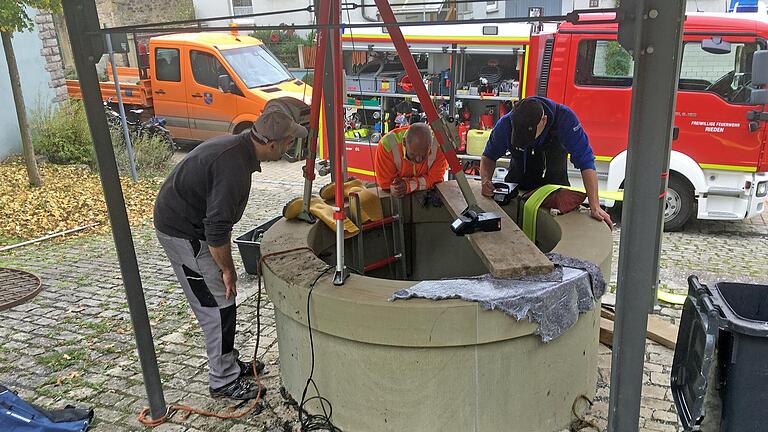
{"x": 201, "y": 279}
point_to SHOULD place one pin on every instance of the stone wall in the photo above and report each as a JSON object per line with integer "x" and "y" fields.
{"x": 116, "y": 13}
{"x": 46, "y": 31}
{"x": 131, "y": 12}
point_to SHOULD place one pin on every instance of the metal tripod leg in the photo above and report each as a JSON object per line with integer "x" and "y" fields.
{"x": 354, "y": 200}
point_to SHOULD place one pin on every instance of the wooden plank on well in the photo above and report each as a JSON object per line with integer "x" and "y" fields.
{"x": 506, "y": 253}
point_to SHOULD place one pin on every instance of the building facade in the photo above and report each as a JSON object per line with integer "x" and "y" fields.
{"x": 42, "y": 78}
{"x": 450, "y": 10}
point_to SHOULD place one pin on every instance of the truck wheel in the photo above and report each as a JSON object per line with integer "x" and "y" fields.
{"x": 678, "y": 204}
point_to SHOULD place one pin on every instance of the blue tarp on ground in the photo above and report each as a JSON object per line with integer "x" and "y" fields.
{"x": 16, "y": 415}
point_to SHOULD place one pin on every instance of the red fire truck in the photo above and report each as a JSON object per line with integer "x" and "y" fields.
{"x": 719, "y": 163}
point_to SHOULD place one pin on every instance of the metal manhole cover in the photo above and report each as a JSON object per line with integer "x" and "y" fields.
{"x": 17, "y": 287}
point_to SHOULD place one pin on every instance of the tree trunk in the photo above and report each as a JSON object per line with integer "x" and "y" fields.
{"x": 21, "y": 111}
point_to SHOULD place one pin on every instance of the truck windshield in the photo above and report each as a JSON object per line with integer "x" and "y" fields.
{"x": 256, "y": 66}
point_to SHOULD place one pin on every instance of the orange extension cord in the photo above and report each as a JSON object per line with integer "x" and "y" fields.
{"x": 232, "y": 414}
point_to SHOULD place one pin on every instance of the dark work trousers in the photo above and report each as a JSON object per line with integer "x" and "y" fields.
{"x": 201, "y": 280}
{"x": 535, "y": 167}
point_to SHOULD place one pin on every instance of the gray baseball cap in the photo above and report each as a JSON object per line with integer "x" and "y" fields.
{"x": 276, "y": 125}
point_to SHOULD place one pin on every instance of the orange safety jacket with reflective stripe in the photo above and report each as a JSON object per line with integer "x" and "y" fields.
{"x": 391, "y": 163}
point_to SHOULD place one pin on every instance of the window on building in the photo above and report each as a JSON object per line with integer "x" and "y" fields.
{"x": 206, "y": 69}
{"x": 594, "y": 3}
{"x": 242, "y": 7}
{"x": 167, "y": 67}
{"x": 606, "y": 63}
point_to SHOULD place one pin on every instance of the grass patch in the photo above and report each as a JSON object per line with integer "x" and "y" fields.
{"x": 97, "y": 326}
{"x": 9, "y": 240}
{"x": 61, "y": 360}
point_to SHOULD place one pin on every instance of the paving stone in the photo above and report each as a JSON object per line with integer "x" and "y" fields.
{"x": 83, "y": 308}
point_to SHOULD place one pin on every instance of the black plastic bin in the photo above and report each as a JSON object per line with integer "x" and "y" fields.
{"x": 725, "y": 327}
{"x": 249, "y": 245}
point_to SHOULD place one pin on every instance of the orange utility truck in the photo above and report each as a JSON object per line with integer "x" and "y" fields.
{"x": 207, "y": 84}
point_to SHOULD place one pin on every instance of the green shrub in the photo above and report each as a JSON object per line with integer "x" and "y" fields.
{"x": 285, "y": 48}
{"x": 61, "y": 134}
{"x": 152, "y": 154}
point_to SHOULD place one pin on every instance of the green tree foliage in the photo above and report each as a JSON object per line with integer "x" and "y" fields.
{"x": 617, "y": 60}
{"x": 14, "y": 16}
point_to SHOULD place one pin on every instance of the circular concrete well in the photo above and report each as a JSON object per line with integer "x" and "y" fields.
{"x": 422, "y": 365}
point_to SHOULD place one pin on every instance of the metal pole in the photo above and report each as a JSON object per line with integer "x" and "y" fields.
{"x": 334, "y": 99}
{"x": 656, "y": 45}
{"x": 453, "y": 76}
{"x": 82, "y": 21}
{"x": 329, "y": 90}
{"x": 314, "y": 116}
{"x": 123, "y": 121}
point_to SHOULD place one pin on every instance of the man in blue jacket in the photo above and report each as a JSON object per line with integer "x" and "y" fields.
{"x": 539, "y": 134}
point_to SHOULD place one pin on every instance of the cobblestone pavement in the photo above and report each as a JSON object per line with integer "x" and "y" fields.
{"x": 73, "y": 343}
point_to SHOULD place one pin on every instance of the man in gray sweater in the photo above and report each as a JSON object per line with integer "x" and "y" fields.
{"x": 196, "y": 208}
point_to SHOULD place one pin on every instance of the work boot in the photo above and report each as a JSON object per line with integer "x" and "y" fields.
{"x": 246, "y": 368}
{"x": 239, "y": 389}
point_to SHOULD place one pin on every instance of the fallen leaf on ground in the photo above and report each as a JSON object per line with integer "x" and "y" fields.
{"x": 70, "y": 197}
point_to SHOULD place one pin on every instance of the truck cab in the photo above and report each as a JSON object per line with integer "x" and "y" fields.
{"x": 209, "y": 84}
{"x": 718, "y": 163}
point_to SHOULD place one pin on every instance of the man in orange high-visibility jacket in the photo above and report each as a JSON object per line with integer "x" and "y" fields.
{"x": 408, "y": 160}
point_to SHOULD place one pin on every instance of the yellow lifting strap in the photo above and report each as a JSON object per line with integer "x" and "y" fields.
{"x": 532, "y": 204}
{"x": 671, "y": 298}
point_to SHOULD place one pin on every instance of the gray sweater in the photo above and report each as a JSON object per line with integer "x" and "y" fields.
{"x": 206, "y": 193}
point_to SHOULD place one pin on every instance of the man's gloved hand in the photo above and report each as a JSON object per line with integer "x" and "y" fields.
{"x": 488, "y": 188}
{"x": 398, "y": 189}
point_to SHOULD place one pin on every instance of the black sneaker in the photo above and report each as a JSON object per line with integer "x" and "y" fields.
{"x": 239, "y": 389}
{"x": 246, "y": 368}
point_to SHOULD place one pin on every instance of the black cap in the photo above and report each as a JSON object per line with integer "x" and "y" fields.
{"x": 526, "y": 117}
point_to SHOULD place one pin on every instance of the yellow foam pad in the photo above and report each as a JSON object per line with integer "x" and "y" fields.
{"x": 321, "y": 210}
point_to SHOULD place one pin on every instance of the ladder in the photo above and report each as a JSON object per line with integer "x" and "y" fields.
{"x": 396, "y": 222}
